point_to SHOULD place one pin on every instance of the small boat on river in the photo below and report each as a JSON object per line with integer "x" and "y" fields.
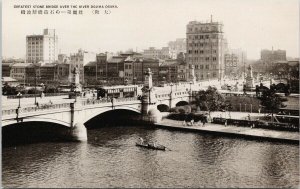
{"x": 151, "y": 146}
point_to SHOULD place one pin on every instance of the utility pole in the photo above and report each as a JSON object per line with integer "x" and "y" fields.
{"x": 244, "y": 66}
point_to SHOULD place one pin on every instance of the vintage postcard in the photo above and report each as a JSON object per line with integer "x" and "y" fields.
{"x": 150, "y": 94}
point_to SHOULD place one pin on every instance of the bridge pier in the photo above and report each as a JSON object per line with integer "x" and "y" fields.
{"x": 78, "y": 132}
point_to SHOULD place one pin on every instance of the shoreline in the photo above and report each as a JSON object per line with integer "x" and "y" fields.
{"x": 232, "y": 131}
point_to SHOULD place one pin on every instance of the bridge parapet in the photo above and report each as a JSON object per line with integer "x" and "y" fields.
{"x": 174, "y": 94}
{"x": 35, "y": 109}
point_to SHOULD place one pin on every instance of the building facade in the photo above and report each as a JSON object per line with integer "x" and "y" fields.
{"x": 153, "y": 53}
{"x": 42, "y": 48}
{"x": 6, "y": 67}
{"x": 62, "y": 73}
{"x": 63, "y": 59}
{"x": 271, "y": 56}
{"x": 90, "y": 73}
{"x": 48, "y": 74}
{"x": 79, "y": 60}
{"x": 234, "y": 60}
{"x": 168, "y": 71}
{"x": 115, "y": 70}
{"x": 176, "y": 47}
{"x": 18, "y": 71}
{"x": 205, "y": 49}
{"x": 101, "y": 67}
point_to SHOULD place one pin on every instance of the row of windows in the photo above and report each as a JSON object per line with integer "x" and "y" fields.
{"x": 128, "y": 74}
{"x": 231, "y": 64}
{"x": 203, "y": 28}
{"x": 214, "y": 59}
{"x": 213, "y": 36}
{"x": 127, "y": 66}
{"x": 203, "y": 66}
{"x": 212, "y": 44}
{"x": 202, "y": 51}
{"x": 208, "y": 75}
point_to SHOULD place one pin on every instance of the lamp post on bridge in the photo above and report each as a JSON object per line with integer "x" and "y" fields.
{"x": 35, "y": 78}
{"x": 19, "y": 95}
{"x": 171, "y": 84}
{"x": 191, "y": 86}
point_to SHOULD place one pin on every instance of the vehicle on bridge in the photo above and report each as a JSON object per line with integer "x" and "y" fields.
{"x": 122, "y": 91}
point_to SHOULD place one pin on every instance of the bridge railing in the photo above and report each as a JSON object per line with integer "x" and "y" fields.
{"x": 38, "y": 95}
{"x": 126, "y": 99}
{"x": 42, "y": 107}
{"x": 95, "y": 101}
{"x": 107, "y": 100}
{"x": 8, "y": 112}
{"x": 168, "y": 95}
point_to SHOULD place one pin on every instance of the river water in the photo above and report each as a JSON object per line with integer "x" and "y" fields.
{"x": 111, "y": 159}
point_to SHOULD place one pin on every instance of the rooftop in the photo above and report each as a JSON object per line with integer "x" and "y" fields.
{"x": 22, "y": 65}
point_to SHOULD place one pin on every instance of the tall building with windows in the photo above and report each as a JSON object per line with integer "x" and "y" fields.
{"x": 271, "y": 56}
{"x": 42, "y": 48}
{"x": 79, "y": 60}
{"x": 176, "y": 47}
{"x": 205, "y": 49}
{"x": 235, "y": 61}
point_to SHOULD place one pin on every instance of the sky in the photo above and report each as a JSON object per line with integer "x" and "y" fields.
{"x": 251, "y": 25}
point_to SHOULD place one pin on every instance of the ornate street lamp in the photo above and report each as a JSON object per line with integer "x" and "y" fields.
{"x": 191, "y": 86}
{"x": 19, "y": 95}
{"x": 171, "y": 84}
{"x": 35, "y": 78}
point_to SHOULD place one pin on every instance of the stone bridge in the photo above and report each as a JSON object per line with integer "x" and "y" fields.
{"x": 75, "y": 114}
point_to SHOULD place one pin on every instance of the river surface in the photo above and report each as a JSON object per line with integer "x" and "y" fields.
{"x": 111, "y": 159}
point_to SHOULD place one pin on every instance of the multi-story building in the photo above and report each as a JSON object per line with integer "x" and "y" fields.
{"x": 26, "y": 73}
{"x": 183, "y": 72}
{"x": 138, "y": 76}
{"x": 154, "y": 53}
{"x": 6, "y": 67}
{"x": 90, "y": 73}
{"x": 234, "y": 60}
{"x": 205, "y": 49}
{"x": 101, "y": 67}
{"x": 62, "y": 73}
{"x": 271, "y": 56}
{"x": 79, "y": 60}
{"x": 42, "y": 48}
{"x": 129, "y": 70}
{"x": 63, "y": 58}
{"x": 48, "y": 74}
{"x": 153, "y": 64}
{"x": 176, "y": 47}
{"x": 231, "y": 64}
{"x": 115, "y": 69}
{"x": 168, "y": 71}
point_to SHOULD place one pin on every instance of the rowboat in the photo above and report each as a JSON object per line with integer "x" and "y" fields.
{"x": 151, "y": 146}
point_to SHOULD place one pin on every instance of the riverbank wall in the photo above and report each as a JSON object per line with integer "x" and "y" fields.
{"x": 233, "y": 131}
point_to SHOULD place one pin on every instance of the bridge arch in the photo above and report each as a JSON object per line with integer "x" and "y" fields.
{"x": 163, "y": 107}
{"x": 182, "y": 103}
{"x": 35, "y": 119}
{"x": 96, "y": 112}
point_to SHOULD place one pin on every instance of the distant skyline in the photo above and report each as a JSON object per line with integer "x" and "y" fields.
{"x": 251, "y": 25}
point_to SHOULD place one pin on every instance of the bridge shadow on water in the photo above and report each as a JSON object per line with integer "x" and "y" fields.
{"x": 32, "y": 132}
{"x": 37, "y": 132}
{"x": 114, "y": 118}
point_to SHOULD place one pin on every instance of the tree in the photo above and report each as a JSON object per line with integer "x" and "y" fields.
{"x": 271, "y": 101}
{"x": 210, "y": 100}
{"x": 8, "y": 90}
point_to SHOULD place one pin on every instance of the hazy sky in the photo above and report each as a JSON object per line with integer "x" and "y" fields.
{"x": 248, "y": 24}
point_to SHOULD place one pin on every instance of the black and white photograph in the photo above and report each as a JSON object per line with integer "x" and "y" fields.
{"x": 150, "y": 94}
